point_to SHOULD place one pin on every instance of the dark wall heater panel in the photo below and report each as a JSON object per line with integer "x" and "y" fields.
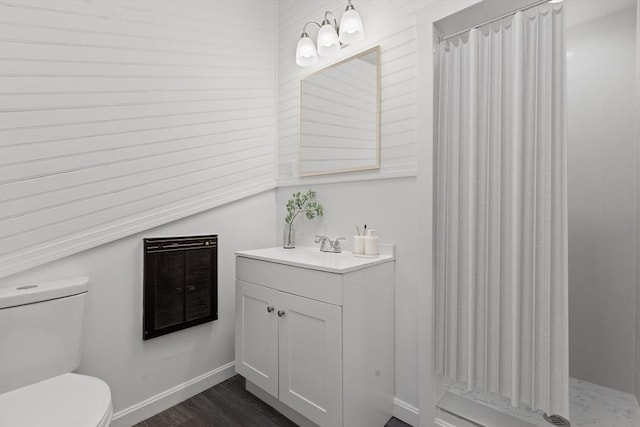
{"x": 180, "y": 283}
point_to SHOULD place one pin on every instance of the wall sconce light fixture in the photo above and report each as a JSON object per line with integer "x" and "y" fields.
{"x": 330, "y": 36}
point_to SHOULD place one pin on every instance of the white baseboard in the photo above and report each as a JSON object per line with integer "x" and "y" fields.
{"x": 405, "y": 412}
{"x": 168, "y": 398}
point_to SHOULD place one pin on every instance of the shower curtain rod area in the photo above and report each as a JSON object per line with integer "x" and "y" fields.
{"x": 490, "y": 21}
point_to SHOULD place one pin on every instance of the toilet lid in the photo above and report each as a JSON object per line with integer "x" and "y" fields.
{"x": 68, "y": 400}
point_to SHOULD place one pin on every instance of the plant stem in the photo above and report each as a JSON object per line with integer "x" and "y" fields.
{"x": 294, "y": 216}
{"x": 289, "y": 237}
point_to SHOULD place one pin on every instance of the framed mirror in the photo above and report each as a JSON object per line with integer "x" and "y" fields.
{"x": 340, "y": 116}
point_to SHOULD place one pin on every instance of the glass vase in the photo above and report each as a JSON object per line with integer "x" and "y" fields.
{"x": 289, "y": 236}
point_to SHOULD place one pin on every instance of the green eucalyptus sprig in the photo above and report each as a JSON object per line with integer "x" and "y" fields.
{"x": 303, "y": 203}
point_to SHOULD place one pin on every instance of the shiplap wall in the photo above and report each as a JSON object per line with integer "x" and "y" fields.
{"x": 388, "y": 23}
{"x": 116, "y": 116}
{"x": 338, "y": 118}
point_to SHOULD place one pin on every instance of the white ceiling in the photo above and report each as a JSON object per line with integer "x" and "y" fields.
{"x": 578, "y": 12}
{"x": 581, "y": 11}
{"x": 480, "y": 12}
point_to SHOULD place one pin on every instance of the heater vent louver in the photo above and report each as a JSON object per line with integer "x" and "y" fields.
{"x": 180, "y": 283}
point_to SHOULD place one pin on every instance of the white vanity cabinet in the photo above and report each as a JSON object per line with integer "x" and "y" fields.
{"x": 314, "y": 334}
{"x": 291, "y": 347}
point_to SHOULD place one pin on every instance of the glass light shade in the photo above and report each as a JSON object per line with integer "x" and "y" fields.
{"x": 328, "y": 43}
{"x": 306, "y": 54}
{"x": 351, "y": 30}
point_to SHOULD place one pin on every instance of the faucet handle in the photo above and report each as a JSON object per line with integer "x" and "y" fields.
{"x": 336, "y": 244}
{"x": 320, "y": 238}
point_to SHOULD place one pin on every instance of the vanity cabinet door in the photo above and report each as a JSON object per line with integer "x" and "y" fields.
{"x": 257, "y": 335}
{"x": 311, "y": 358}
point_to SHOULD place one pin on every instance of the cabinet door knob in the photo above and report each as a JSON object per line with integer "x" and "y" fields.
{"x": 270, "y": 309}
{"x": 280, "y": 313}
{"x": 191, "y": 288}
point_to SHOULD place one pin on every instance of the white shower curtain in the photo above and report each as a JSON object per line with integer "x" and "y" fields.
{"x": 501, "y": 211}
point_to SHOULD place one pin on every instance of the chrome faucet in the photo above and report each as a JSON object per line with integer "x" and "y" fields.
{"x": 328, "y": 245}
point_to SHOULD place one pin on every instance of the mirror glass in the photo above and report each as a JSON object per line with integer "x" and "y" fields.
{"x": 339, "y": 116}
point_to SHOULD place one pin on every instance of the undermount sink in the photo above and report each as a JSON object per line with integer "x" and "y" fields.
{"x": 311, "y": 257}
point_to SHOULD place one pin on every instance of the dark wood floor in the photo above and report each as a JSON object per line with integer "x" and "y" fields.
{"x": 226, "y": 405}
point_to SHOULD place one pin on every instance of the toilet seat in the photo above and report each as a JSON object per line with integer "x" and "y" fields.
{"x": 68, "y": 400}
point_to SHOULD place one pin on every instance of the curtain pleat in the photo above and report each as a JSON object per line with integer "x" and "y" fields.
{"x": 501, "y": 211}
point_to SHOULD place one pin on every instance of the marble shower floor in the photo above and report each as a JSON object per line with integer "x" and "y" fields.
{"x": 591, "y": 405}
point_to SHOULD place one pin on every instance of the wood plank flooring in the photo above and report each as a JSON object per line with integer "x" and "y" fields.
{"x": 227, "y": 404}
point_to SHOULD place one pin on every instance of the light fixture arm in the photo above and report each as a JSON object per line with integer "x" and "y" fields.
{"x": 326, "y": 20}
{"x": 304, "y": 29}
{"x": 349, "y": 6}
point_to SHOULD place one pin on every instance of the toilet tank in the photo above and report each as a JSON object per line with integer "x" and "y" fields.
{"x": 41, "y": 327}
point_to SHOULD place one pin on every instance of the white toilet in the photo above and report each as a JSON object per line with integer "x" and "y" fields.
{"x": 41, "y": 329}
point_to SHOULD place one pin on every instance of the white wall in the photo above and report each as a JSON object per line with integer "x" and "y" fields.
{"x": 399, "y": 208}
{"x": 392, "y": 25}
{"x": 602, "y": 167}
{"x": 387, "y": 205}
{"x": 137, "y": 370}
{"x": 119, "y": 116}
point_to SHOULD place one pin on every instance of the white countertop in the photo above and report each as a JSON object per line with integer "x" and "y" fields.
{"x": 312, "y": 258}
